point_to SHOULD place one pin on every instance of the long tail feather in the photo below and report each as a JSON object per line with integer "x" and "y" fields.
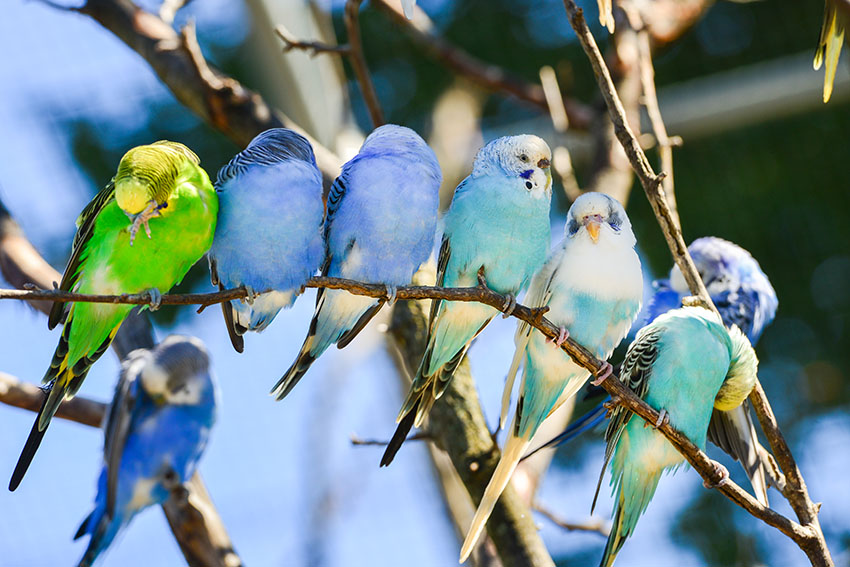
{"x": 39, "y": 428}
{"x": 294, "y": 374}
{"x": 399, "y": 437}
{"x": 615, "y": 538}
{"x": 235, "y": 333}
{"x": 514, "y": 447}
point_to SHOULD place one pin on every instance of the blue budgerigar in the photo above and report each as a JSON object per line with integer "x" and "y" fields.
{"x": 745, "y": 298}
{"x": 380, "y": 227}
{"x": 269, "y": 233}
{"x": 592, "y": 284}
{"x": 497, "y": 227}
{"x": 684, "y": 364}
{"x": 156, "y": 430}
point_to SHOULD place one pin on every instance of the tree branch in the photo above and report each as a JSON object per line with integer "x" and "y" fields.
{"x": 291, "y": 42}
{"x": 595, "y": 526}
{"x": 620, "y": 393}
{"x": 809, "y": 536}
{"x": 358, "y": 62}
{"x": 486, "y": 75}
{"x": 223, "y": 102}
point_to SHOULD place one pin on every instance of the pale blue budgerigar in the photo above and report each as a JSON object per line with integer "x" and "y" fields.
{"x": 683, "y": 364}
{"x": 269, "y": 233}
{"x": 497, "y": 228}
{"x": 156, "y": 430}
{"x": 744, "y": 297}
{"x": 592, "y": 284}
{"x": 380, "y": 227}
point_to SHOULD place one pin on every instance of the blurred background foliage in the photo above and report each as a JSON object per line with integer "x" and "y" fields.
{"x": 778, "y": 187}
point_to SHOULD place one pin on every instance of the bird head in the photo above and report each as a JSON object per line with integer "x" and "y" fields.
{"x": 148, "y": 173}
{"x": 524, "y": 157}
{"x": 598, "y": 218}
{"x": 178, "y": 372}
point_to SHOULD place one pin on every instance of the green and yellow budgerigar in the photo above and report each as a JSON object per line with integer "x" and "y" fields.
{"x": 162, "y": 188}
{"x": 836, "y": 14}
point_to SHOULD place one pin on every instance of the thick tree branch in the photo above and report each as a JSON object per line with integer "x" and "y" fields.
{"x": 223, "y": 102}
{"x": 809, "y": 536}
{"x": 487, "y": 76}
{"x": 358, "y": 61}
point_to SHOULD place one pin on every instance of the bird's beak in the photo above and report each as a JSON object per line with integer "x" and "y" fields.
{"x": 592, "y": 223}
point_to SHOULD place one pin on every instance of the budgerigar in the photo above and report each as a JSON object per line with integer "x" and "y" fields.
{"x": 683, "y": 364}
{"x": 745, "y": 298}
{"x": 497, "y": 227}
{"x": 592, "y": 284}
{"x": 269, "y": 232}
{"x": 380, "y": 227}
{"x": 156, "y": 430}
{"x": 162, "y": 188}
{"x": 836, "y": 14}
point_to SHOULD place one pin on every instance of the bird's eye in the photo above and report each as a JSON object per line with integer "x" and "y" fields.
{"x": 523, "y": 157}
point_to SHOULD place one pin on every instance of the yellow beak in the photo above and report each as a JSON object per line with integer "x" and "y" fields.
{"x": 593, "y": 230}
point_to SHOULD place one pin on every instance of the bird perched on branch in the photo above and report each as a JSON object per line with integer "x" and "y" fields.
{"x": 162, "y": 188}
{"x": 380, "y": 227}
{"x": 156, "y": 430}
{"x": 592, "y": 285}
{"x": 683, "y": 364}
{"x": 836, "y": 14}
{"x": 496, "y": 230}
{"x": 744, "y": 297}
{"x": 269, "y": 233}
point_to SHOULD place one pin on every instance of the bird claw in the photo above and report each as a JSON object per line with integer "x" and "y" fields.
{"x": 663, "y": 417}
{"x": 722, "y": 471}
{"x": 392, "y": 294}
{"x": 156, "y": 299}
{"x": 563, "y": 335}
{"x": 249, "y": 299}
{"x": 509, "y": 305}
{"x": 141, "y": 220}
{"x": 604, "y": 372}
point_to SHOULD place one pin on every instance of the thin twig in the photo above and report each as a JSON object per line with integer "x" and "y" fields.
{"x": 650, "y": 102}
{"x": 562, "y": 163}
{"x": 809, "y": 536}
{"x": 593, "y": 525}
{"x": 486, "y": 75}
{"x": 291, "y": 42}
{"x": 358, "y": 61}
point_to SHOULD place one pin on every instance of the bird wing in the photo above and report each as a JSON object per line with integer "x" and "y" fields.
{"x": 635, "y": 373}
{"x": 118, "y": 422}
{"x": 85, "y": 229}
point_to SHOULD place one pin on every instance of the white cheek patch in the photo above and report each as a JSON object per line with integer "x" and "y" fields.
{"x": 188, "y": 395}
{"x": 154, "y": 379}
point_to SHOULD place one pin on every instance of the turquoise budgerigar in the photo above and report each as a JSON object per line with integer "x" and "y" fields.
{"x": 269, "y": 233}
{"x": 162, "y": 188}
{"x": 683, "y": 364}
{"x": 380, "y": 227}
{"x": 497, "y": 227}
{"x": 592, "y": 285}
{"x": 156, "y": 430}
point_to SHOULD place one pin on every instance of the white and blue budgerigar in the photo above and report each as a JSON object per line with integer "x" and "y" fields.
{"x": 684, "y": 364}
{"x": 269, "y": 233}
{"x": 745, "y": 298}
{"x": 156, "y": 430}
{"x": 380, "y": 227}
{"x": 592, "y": 284}
{"x": 497, "y": 228}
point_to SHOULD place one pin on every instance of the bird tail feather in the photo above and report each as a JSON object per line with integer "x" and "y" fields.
{"x": 404, "y": 427}
{"x": 511, "y": 454}
{"x": 102, "y": 529}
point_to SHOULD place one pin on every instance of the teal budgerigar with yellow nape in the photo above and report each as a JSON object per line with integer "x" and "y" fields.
{"x": 162, "y": 188}
{"x": 684, "y": 364}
